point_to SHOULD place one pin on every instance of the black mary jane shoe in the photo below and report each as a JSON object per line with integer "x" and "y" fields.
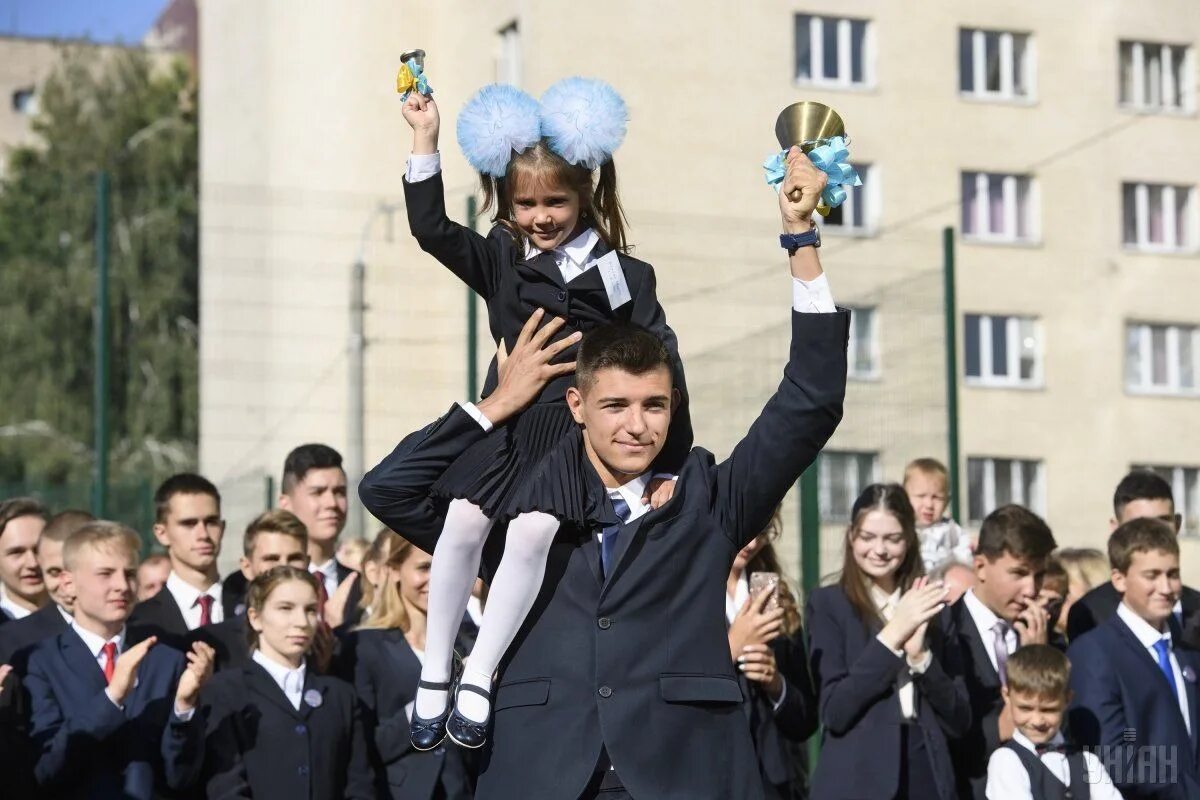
{"x": 428, "y": 733}
{"x": 465, "y": 732}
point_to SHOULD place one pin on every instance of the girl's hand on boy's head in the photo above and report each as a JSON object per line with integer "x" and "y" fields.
{"x": 421, "y": 113}
{"x": 800, "y": 192}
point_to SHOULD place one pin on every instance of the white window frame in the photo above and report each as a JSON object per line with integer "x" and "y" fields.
{"x": 870, "y": 194}
{"x": 1017, "y": 467}
{"x": 824, "y": 480}
{"x": 1174, "y": 240}
{"x": 1167, "y": 80}
{"x": 1145, "y": 384}
{"x": 1187, "y": 504}
{"x": 816, "y": 53}
{"x": 1012, "y": 334}
{"x": 509, "y": 68}
{"x": 858, "y": 313}
{"x": 1010, "y": 183}
{"x": 1008, "y": 68}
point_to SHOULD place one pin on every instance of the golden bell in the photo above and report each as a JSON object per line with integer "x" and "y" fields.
{"x": 418, "y": 55}
{"x": 807, "y": 124}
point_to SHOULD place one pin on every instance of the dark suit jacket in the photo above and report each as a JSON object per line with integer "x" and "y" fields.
{"x": 385, "y": 677}
{"x": 857, "y": 675}
{"x": 972, "y": 749}
{"x": 640, "y": 659}
{"x": 87, "y": 747}
{"x": 160, "y": 616}
{"x": 228, "y": 641}
{"x": 778, "y": 733}
{"x": 1124, "y": 704}
{"x": 257, "y": 745}
{"x": 1095, "y": 607}
{"x": 16, "y": 755}
{"x": 233, "y": 593}
{"x": 513, "y": 287}
{"x": 19, "y": 638}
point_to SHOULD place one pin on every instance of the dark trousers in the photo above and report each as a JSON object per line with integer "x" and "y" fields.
{"x": 916, "y": 772}
{"x": 605, "y": 783}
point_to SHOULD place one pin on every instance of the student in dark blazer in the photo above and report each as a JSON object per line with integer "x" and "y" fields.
{"x": 111, "y": 720}
{"x": 188, "y": 524}
{"x": 997, "y": 615}
{"x": 388, "y": 650}
{"x": 890, "y": 690}
{"x": 1134, "y": 681}
{"x": 18, "y": 639}
{"x": 766, "y": 642}
{"x": 16, "y": 756}
{"x": 625, "y": 651}
{"x": 273, "y": 538}
{"x": 1140, "y": 494}
{"x": 275, "y": 728}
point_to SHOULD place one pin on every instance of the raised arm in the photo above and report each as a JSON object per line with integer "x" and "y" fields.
{"x": 473, "y": 258}
{"x": 807, "y": 407}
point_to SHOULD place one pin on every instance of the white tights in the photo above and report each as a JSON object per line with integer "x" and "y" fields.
{"x": 513, "y": 589}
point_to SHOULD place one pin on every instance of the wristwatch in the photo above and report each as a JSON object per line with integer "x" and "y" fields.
{"x": 794, "y": 241}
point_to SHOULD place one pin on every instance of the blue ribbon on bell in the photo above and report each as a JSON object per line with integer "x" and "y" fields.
{"x": 415, "y": 80}
{"x": 829, "y": 157}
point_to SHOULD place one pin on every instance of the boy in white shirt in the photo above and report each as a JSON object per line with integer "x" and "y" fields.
{"x": 1037, "y": 763}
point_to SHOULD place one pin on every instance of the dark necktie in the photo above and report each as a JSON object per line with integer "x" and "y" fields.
{"x": 205, "y": 602}
{"x": 608, "y": 537}
{"x": 1050, "y": 747}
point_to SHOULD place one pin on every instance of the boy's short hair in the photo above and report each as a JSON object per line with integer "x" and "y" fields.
{"x": 1141, "y": 535}
{"x": 1056, "y": 579}
{"x": 1017, "y": 531}
{"x": 183, "y": 483}
{"x": 927, "y": 466}
{"x": 1141, "y": 484}
{"x": 19, "y": 507}
{"x": 275, "y": 521}
{"x": 308, "y": 457}
{"x": 1039, "y": 670}
{"x": 97, "y": 535}
{"x": 619, "y": 345}
{"x": 60, "y": 526}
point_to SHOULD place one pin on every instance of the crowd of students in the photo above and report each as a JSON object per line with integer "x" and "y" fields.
{"x": 932, "y": 665}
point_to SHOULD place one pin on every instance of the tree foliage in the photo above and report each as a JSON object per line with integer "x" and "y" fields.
{"x": 134, "y": 118}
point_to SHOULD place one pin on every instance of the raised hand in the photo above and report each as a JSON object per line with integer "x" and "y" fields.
{"x": 918, "y": 605}
{"x": 1033, "y": 625}
{"x": 124, "y": 675}
{"x": 421, "y": 113}
{"x": 528, "y": 368}
{"x": 199, "y": 669}
{"x": 800, "y": 192}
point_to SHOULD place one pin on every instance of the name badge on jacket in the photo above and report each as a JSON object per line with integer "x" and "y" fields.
{"x": 614, "y": 279}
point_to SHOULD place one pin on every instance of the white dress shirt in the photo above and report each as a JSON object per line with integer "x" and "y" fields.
{"x": 290, "y": 681}
{"x": 187, "y": 597}
{"x": 1008, "y": 780}
{"x": 985, "y": 622}
{"x": 1148, "y": 636}
{"x": 13, "y": 610}
{"x": 327, "y": 572}
{"x": 66, "y": 615}
{"x": 905, "y": 691}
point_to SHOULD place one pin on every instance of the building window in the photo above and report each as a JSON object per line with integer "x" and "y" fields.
{"x": 841, "y": 477}
{"x": 994, "y": 482}
{"x": 1159, "y": 217}
{"x": 1156, "y": 77}
{"x": 1162, "y": 359}
{"x": 862, "y": 353}
{"x": 998, "y": 207}
{"x": 1185, "y": 487}
{"x": 996, "y": 65}
{"x": 25, "y": 101}
{"x": 833, "y": 51}
{"x": 858, "y": 214}
{"x": 1002, "y": 351}
{"x": 508, "y": 60}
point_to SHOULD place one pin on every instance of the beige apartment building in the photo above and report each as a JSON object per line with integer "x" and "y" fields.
{"x": 1060, "y": 141}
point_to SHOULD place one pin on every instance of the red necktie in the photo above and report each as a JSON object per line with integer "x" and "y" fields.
{"x": 110, "y": 660}
{"x": 205, "y": 602}
{"x": 322, "y": 595}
